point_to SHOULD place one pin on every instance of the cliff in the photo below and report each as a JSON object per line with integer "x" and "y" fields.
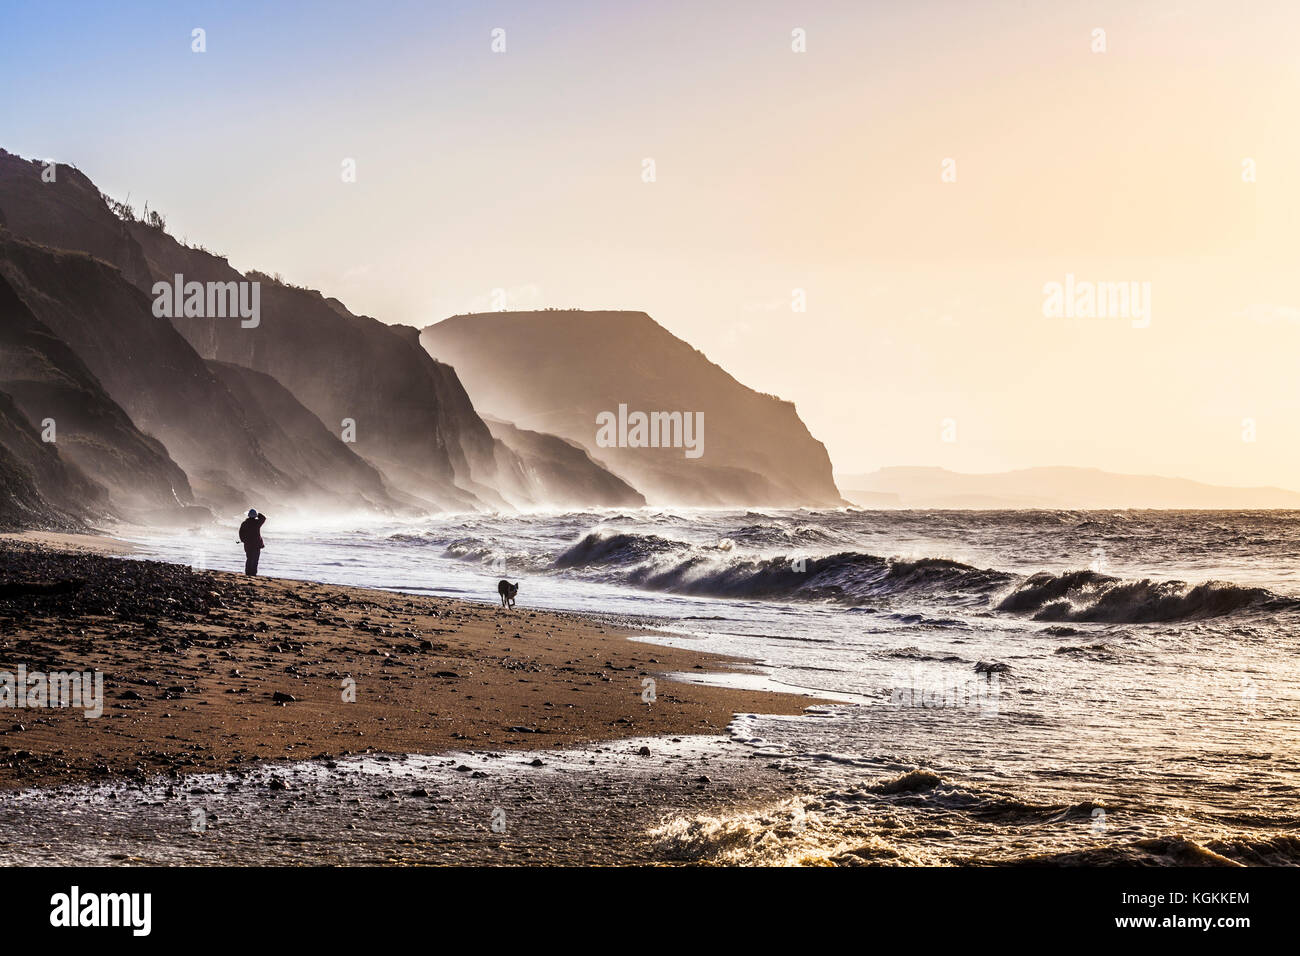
{"x": 559, "y": 370}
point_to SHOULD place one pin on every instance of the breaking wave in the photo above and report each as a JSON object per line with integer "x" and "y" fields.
{"x": 849, "y": 577}
{"x": 798, "y": 561}
{"x": 903, "y": 820}
{"x": 1089, "y": 596}
{"x": 855, "y": 578}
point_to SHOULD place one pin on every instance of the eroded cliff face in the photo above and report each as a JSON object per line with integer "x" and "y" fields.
{"x": 404, "y": 409}
{"x": 50, "y": 384}
{"x": 66, "y": 212}
{"x": 160, "y": 378}
{"x": 560, "y": 370}
{"x": 146, "y": 367}
{"x": 396, "y": 393}
{"x": 38, "y": 488}
{"x": 298, "y": 443}
{"x": 409, "y": 413}
{"x": 554, "y": 471}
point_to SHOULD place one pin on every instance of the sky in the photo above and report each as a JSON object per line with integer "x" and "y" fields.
{"x": 803, "y": 227}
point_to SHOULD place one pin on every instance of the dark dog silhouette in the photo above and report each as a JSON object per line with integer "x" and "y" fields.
{"x": 507, "y": 592}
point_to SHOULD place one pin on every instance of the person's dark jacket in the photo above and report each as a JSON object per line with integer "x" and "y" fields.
{"x": 250, "y": 533}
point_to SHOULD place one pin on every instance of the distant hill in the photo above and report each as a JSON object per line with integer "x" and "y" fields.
{"x": 558, "y": 370}
{"x": 1050, "y": 488}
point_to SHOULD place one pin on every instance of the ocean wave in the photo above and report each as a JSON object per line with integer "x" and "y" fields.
{"x": 914, "y": 781}
{"x": 788, "y": 558}
{"x": 917, "y": 817}
{"x": 617, "y": 548}
{"x": 916, "y": 654}
{"x": 495, "y": 559}
{"x": 772, "y": 537}
{"x": 911, "y": 818}
{"x": 850, "y": 577}
{"x": 1088, "y": 596}
{"x": 794, "y": 832}
{"x": 856, "y": 578}
{"x": 1101, "y": 647}
{"x": 1268, "y": 850}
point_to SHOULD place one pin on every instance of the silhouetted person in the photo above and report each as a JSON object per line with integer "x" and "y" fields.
{"x": 250, "y": 536}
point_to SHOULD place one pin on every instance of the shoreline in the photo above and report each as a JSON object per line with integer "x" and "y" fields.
{"x": 192, "y": 661}
{"x": 96, "y": 543}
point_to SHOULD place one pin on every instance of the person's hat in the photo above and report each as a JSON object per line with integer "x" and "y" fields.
{"x": 252, "y": 512}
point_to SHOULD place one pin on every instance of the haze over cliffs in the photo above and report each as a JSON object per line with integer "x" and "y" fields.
{"x": 164, "y": 416}
{"x": 564, "y": 471}
{"x": 47, "y": 382}
{"x": 147, "y": 368}
{"x": 243, "y": 411}
{"x": 557, "y": 370}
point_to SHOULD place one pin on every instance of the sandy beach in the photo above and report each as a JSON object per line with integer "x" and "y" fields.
{"x": 208, "y": 671}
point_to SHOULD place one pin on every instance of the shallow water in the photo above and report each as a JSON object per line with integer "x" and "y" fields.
{"x": 1132, "y": 708}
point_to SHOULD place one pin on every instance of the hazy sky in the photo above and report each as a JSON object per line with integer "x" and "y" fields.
{"x": 775, "y": 171}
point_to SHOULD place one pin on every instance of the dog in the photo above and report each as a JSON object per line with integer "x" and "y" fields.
{"x": 507, "y": 592}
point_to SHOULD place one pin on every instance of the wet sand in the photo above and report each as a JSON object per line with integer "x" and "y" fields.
{"x": 199, "y": 668}
{"x": 610, "y": 803}
{"x": 67, "y": 541}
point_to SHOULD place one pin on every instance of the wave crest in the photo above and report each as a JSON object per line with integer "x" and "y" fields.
{"x": 1089, "y": 596}
{"x": 849, "y": 577}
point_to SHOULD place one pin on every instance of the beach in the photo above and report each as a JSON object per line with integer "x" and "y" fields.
{"x": 210, "y": 672}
